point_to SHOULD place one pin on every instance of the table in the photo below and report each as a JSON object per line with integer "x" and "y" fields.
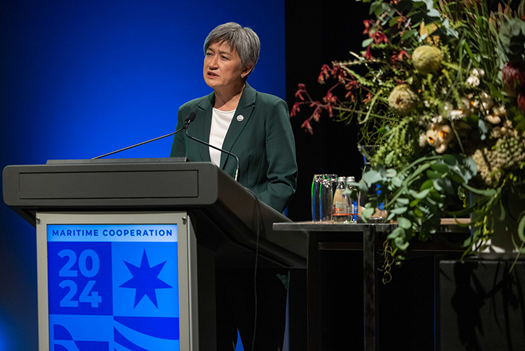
{"x": 369, "y": 245}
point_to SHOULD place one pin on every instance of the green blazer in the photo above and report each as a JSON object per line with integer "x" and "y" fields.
{"x": 260, "y": 135}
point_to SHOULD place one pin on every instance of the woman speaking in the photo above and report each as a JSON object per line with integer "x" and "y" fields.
{"x": 235, "y": 117}
{"x": 256, "y": 128}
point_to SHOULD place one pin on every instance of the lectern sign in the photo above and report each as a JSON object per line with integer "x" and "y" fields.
{"x": 113, "y": 287}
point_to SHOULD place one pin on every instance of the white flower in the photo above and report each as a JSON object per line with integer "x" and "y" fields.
{"x": 496, "y": 132}
{"x": 467, "y": 106}
{"x": 473, "y": 81}
{"x": 493, "y": 119}
{"x": 439, "y": 136}
{"x": 507, "y": 129}
{"x": 422, "y": 140}
{"x": 437, "y": 119}
{"x": 456, "y": 114}
{"x": 499, "y": 111}
{"x": 486, "y": 101}
{"x": 478, "y": 72}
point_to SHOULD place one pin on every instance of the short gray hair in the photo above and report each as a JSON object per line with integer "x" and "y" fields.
{"x": 243, "y": 40}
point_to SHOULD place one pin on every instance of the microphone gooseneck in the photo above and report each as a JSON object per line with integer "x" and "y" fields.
{"x": 189, "y": 120}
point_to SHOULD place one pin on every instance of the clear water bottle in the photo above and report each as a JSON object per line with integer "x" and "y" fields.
{"x": 322, "y": 197}
{"x": 352, "y": 202}
{"x": 341, "y": 211}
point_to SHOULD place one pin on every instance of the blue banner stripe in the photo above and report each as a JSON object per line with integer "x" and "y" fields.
{"x": 92, "y": 345}
{"x": 121, "y": 340}
{"x": 61, "y": 333}
{"x": 159, "y": 327}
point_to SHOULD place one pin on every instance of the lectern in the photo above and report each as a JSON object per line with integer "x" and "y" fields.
{"x": 127, "y": 248}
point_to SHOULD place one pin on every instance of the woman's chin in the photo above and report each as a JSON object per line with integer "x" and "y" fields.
{"x": 212, "y": 83}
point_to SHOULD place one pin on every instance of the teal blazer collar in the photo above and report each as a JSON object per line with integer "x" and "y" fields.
{"x": 242, "y": 115}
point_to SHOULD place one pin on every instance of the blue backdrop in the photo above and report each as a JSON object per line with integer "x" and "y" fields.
{"x": 82, "y": 78}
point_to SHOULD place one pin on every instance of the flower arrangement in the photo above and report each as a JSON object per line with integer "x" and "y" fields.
{"x": 440, "y": 88}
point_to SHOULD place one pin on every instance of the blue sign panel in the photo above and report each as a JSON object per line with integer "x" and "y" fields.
{"x": 113, "y": 287}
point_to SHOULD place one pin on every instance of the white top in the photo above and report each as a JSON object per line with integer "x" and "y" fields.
{"x": 220, "y": 122}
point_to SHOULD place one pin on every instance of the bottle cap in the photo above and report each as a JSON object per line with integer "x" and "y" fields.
{"x": 350, "y": 179}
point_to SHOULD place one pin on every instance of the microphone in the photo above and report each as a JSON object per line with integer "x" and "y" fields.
{"x": 190, "y": 119}
{"x": 187, "y": 121}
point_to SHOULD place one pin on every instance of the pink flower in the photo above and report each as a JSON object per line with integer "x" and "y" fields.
{"x": 398, "y": 57}
{"x": 513, "y": 76}
{"x": 307, "y": 126}
{"x": 338, "y": 72}
{"x": 330, "y": 98}
{"x": 317, "y": 114}
{"x": 329, "y": 109}
{"x": 402, "y": 54}
{"x": 351, "y": 86}
{"x": 394, "y": 59}
{"x": 368, "y": 54}
{"x": 325, "y": 73}
{"x": 295, "y": 109}
{"x": 379, "y": 37}
{"x": 368, "y": 24}
{"x": 300, "y": 90}
{"x": 521, "y": 100}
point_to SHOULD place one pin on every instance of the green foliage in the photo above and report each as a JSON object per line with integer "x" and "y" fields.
{"x": 435, "y": 91}
{"x": 450, "y": 122}
{"x": 512, "y": 38}
{"x": 417, "y": 194}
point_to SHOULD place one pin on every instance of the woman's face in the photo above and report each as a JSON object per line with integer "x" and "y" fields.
{"x": 222, "y": 67}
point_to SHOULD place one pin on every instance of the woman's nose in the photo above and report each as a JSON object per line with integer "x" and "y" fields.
{"x": 213, "y": 63}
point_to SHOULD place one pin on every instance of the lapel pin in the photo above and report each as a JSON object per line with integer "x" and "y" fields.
{"x": 240, "y": 118}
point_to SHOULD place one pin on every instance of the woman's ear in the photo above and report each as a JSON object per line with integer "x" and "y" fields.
{"x": 246, "y": 70}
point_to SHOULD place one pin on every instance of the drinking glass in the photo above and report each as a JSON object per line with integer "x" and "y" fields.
{"x": 322, "y": 197}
